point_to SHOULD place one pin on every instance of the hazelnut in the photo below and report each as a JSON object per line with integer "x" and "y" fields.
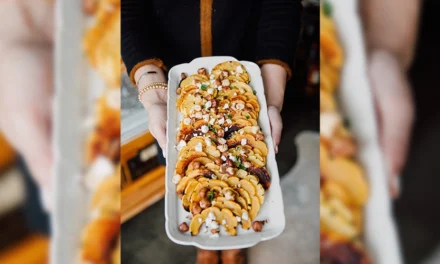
{"x": 246, "y": 164}
{"x": 183, "y": 75}
{"x": 193, "y": 120}
{"x": 213, "y": 103}
{"x": 183, "y": 227}
{"x": 209, "y": 97}
{"x": 223, "y": 168}
{"x": 201, "y": 71}
{"x": 90, "y": 6}
{"x": 202, "y": 192}
{"x": 218, "y": 161}
{"x": 205, "y": 203}
{"x": 218, "y": 82}
{"x": 179, "y": 90}
{"x": 220, "y": 133}
{"x": 196, "y": 209}
{"x": 225, "y": 154}
{"x": 230, "y": 171}
{"x": 214, "y": 231}
{"x": 259, "y": 136}
{"x": 196, "y": 164}
{"x": 257, "y": 226}
{"x": 229, "y": 163}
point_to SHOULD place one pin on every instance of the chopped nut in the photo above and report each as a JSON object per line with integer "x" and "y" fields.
{"x": 222, "y": 147}
{"x": 213, "y": 103}
{"x": 220, "y": 133}
{"x": 259, "y": 136}
{"x": 218, "y": 82}
{"x": 201, "y": 71}
{"x": 218, "y": 161}
{"x": 183, "y": 227}
{"x": 229, "y": 163}
{"x": 179, "y": 90}
{"x": 205, "y": 203}
{"x": 257, "y": 226}
{"x": 183, "y": 75}
{"x": 214, "y": 231}
{"x": 196, "y": 209}
{"x": 202, "y": 192}
{"x": 196, "y": 164}
{"x": 208, "y": 97}
{"x": 246, "y": 164}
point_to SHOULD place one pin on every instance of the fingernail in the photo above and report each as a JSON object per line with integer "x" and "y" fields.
{"x": 276, "y": 149}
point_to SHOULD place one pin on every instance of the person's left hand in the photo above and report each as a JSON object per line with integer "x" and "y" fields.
{"x": 274, "y": 78}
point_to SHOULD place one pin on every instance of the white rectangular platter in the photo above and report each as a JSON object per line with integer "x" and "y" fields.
{"x": 272, "y": 208}
{"x": 77, "y": 86}
{"x": 356, "y": 99}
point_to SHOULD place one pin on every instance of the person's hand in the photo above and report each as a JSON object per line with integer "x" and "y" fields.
{"x": 25, "y": 109}
{"x": 274, "y": 78}
{"x": 155, "y": 103}
{"x": 395, "y": 112}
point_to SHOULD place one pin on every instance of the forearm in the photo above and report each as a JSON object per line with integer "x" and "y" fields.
{"x": 391, "y": 26}
{"x": 274, "y": 78}
{"x": 154, "y": 96}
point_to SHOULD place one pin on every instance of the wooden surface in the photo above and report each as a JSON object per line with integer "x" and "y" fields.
{"x": 142, "y": 193}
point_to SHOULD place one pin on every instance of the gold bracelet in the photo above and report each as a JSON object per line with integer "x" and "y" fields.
{"x": 153, "y": 86}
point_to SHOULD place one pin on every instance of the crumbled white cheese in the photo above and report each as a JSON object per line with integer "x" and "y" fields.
{"x": 223, "y": 158}
{"x": 243, "y": 141}
{"x": 219, "y": 87}
{"x": 214, "y": 177}
{"x": 211, "y": 90}
{"x": 213, "y": 225}
{"x": 241, "y": 132}
{"x": 205, "y": 83}
{"x": 238, "y": 218}
{"x": 226, "y": 82}
{"x": 214, "y": 236}
{"x": 177, "y": 178}
{"x": 211, "y": 215}
{"x": 328, "y": 123}
{"x": 205, "y": 129}
{"x": 212, "y": 76}
{"x": 221, "y": 140}
{"x": 198, "y": 147}
{"x": 255, "y": 129}
{"x": 198, "y": 115}
{"x": 200, "y": 220}
{"x": 180, "y": 145}
{"x": 226, "y": 129}
{"x": 212, "y": 121}
{"x": 239, "y": 69}
{"x": 235, "y": 94}
{"x": 206, "y": 117}
{"x": 221, "y": 121}
{"x": 197, "y": 107}
{"x": 187, "y": 121}
{"x": 208, "y": 105}
{"x": 239, "y": 106}
{"x": 208, "y": 141}
{"x": 199, "y": 85}
{"x": 233, "y": 158}
{"x": 223, "y": 222}
{"x": 245, "y": 216}
{"x": 229, "y": 121}
{"x": 226, "y": 106}
{"x": 229, "y": 196}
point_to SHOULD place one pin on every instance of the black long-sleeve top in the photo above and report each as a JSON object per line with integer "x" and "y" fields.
{"x": 170, "y": 32}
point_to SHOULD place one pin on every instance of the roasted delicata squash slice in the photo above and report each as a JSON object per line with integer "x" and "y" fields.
{"x": 184, "y": 161}
{"x": 248, "y": 139}
{"x": 192, "y": 80}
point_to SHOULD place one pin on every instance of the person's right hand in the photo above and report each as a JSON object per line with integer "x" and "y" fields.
{"x": 155, "y": 102}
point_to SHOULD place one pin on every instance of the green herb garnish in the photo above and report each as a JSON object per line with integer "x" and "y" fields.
{"x": 255, "y": 92}
{"x": 247, "y": 117}
{"x": 241, "y": 167}
{"x": 214, "y": 140}
{"x": 204, "y": 87}
{"x": 229, "y": 116}
{"x": 234, "y": 87}
{"x": 328, "y": 9}
{"x": 211, "y": 195}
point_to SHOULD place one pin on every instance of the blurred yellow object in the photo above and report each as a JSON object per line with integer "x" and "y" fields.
{"x": 32, "y": 250}
{"x": 102, "y": 40}
{"x": 7, "y": 153}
